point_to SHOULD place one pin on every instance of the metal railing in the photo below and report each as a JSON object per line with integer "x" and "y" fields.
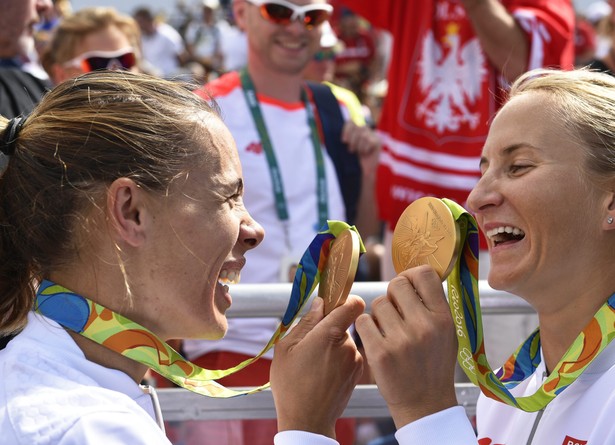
{"x": 270, "y": 300}
{"x": 365, "y": 402}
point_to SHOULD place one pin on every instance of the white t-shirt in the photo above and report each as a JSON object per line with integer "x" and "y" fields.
{"x": 581, "y": 414}
{"x": 205, "y": 38}
{"x": 51, "y": 394}
{"x": 234, "y": 46}
{"x": 162, "y": 49}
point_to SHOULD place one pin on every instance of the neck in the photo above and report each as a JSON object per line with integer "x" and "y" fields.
{"x": 275, "y": 84}
{"x": 111, "y": 294}
{"x": 559, "y": 328}
{"x": 109, "y": 359}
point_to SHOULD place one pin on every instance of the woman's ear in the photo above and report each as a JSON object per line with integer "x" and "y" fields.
{"x": 609, "y": 219}
{"x": 126, "y": 211}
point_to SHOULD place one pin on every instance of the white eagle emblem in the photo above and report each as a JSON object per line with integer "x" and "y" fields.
{"x": 450, "y": 80}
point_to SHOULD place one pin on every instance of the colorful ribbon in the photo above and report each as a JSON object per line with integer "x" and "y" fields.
{"x": 136, "y": 342}
{"x": 465, "y": 307}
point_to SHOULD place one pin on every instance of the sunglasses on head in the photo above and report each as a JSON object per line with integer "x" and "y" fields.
{"x": 122, "y": 59}
{"x": 284, "y": 13}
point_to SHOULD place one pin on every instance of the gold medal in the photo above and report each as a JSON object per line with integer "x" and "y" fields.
{"x": 426, "y": 233}
{"x": 338, "y": 274}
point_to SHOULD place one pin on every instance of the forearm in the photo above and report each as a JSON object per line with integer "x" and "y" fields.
{"x": 501, "y": 37}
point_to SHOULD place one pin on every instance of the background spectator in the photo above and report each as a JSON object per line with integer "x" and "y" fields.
{"x": 584, "y": 41}
{"x": 162, "y": 46}
{"x": 22, "y": 80}
{"x": 356, "y": 60}
{"x": 50, "y": 19}
{"x": 204, "y": 38}
{"x": 91, "y": 39}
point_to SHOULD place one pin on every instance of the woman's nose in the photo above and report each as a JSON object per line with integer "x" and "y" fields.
{"x": 252, "y": 233}
{"x": 481, "y": 196}
{"x": 473, "y": 198}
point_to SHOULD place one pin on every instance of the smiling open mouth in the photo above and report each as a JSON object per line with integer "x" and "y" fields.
{"x": 229, "y": 277}
{"x": 505, "y": 234}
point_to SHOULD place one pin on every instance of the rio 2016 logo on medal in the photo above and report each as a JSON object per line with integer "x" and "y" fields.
{"x": 426, "y": 233}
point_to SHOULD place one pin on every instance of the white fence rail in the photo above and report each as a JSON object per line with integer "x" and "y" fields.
{"x": 365, "y": 402}
{"x": 270, "y": 300}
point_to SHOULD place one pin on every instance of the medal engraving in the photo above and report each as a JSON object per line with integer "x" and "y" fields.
{"x": 426, "y": 233}
{"x": 339, "y": 272}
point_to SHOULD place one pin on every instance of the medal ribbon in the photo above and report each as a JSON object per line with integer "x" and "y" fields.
{"x": 118, "y": 333}
{"x": 465, "y": 307}
{"x": 274, "y": 170}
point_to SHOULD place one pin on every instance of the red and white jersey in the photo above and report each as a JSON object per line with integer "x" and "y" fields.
{"x": 443, "y": 92}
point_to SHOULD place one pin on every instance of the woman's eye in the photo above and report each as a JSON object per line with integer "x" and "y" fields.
{"x": 236, "y": 198}
{"x": 518, "y": 168}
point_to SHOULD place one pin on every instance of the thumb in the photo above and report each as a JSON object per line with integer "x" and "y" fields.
{"x": 342, "y": 317}
{"x": 308, "y": 321}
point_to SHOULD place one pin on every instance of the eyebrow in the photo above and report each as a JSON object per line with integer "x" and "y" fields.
{"x": 239, "y": 186}
{"x": 508, "y": 151}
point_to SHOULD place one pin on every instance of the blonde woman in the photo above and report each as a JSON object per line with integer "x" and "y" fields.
{"x": 92, "y": 39}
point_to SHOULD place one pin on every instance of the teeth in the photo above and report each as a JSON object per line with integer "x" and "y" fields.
{"x": 229, "y": 276}
{"x": 291, "y": 45}
{"x": 505, "y": 229}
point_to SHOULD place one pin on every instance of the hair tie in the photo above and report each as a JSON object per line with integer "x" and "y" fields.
{"x": 11, "y": 133}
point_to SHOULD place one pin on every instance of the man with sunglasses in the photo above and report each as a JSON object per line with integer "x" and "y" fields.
{"x": 292, "y": 182}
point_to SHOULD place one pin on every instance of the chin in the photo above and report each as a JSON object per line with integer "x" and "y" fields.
{"x": 496, "y": 276}
{"x": 218, "y": 331}
{"x": 502, "y": 280}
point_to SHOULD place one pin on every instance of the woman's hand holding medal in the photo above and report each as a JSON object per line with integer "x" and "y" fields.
{"x": 312, "y": 394}
{"x": 400, "y": 333}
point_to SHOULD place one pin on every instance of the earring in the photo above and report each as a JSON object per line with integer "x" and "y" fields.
{"x": 609, "y": 220}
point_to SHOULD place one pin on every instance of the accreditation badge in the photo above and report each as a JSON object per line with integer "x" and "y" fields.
{"x": 288, "y": 268}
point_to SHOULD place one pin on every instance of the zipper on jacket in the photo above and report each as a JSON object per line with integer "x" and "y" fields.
{"x": 538, "y": 417}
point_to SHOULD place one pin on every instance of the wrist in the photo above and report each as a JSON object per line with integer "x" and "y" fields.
{"x": 307, "y": 423}
{"x": 403, "y": 415}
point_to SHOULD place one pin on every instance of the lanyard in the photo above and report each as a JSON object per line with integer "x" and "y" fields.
{"x": 274, "y": 169}
{"x": 124, "y": 336}
{"x": 465, "y": 306}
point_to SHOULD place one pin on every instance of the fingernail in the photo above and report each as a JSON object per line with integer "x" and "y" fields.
{"x": 316, "y": 304}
